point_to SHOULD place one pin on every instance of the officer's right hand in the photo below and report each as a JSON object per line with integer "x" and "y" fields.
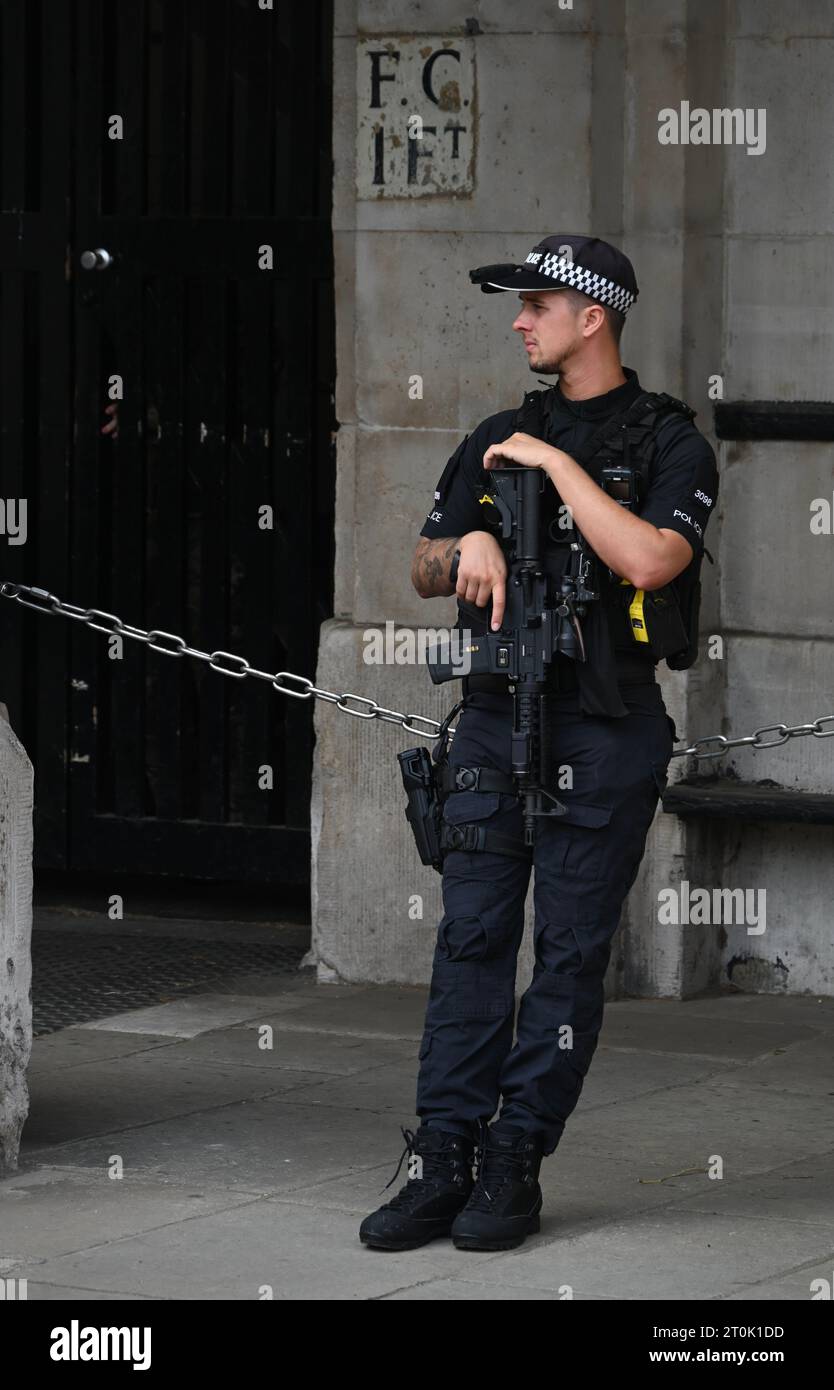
{"x": 482, "y": 571}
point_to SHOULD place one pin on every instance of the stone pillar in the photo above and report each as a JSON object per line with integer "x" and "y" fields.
{"x": 405, "y": 307}
{"x": 16, "y": 799}
{"x": 731, "y": 251}
{"x": 776, "y": 579}
{"x": 673, "y": 216}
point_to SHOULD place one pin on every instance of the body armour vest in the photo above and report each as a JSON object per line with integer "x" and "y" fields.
{"x": 618, "y": 456}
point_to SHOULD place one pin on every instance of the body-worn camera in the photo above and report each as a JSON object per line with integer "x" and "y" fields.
{"x": 623, "y": 484}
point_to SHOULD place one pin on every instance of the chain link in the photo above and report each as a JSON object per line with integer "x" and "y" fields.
{"x": 227, "y": 664}
{"x": 758, "y": 739}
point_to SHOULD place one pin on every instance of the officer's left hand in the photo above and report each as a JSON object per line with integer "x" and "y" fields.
{"x": 523, "y": 449}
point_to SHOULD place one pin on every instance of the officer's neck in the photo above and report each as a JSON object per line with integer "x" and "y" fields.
{"x": 580, "y": 381}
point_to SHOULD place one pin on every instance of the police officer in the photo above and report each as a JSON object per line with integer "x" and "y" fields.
{"x": 611, "y": 741}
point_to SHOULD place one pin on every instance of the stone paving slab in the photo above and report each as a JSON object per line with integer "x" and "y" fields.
{"x": 73, "y": 1047}
{"x": 42, "y": 1292}
{"x": 801, "y": 1191}
{"x": 262, "y": 1146}
{"x": 805, "y": 1066}
{"x": 726, "y": 1034}
{"x": 678, "y": 1255}
{"x": 392, "y": 1088}
{"x": 303, "y": 1253}
{"x": 246, "y": 1167}
{"x": 307, "y": 1253}
{"x": 52, "y": 1212}
{"x": 397, "y": 1011}
{"x": 129, "y": 1092}
{"x": 795, "y": 1285}
{"x": 186, "y": 1018}
{"x": 306, "y": 1049}
{"x": 753, "y": 1129}
{"x": 445, "y": 1290}
{"x": 808, "y": 1010}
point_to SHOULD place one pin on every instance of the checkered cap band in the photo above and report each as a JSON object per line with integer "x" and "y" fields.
{"x": 569, "y": 273}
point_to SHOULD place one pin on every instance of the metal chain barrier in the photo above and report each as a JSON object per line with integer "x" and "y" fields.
{"x": 301, "y": 688}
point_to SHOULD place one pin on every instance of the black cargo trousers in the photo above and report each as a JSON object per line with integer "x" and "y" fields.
{"x": 585, "y": 863}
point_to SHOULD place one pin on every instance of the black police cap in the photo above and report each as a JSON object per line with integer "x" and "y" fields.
{"x": 584, "y": 263}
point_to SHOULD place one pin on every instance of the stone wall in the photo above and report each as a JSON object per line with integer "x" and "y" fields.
{"x": 733, "y": 255}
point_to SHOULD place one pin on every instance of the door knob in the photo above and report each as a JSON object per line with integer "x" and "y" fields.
{"x": 96, "y": 260}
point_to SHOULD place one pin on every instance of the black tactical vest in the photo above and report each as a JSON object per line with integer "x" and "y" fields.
{"x": 627, "y": 440}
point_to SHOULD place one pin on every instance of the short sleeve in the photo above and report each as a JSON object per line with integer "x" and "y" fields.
{"x": 684, "y": 483}
{"x": 458, "y": 497}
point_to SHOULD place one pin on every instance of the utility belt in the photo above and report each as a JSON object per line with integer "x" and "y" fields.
{"x": 428, "y": 784}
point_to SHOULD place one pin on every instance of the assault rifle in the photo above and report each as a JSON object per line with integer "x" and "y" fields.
{"x": 542, "y": 620}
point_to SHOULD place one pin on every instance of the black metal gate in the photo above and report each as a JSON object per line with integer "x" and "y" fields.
{"x": 182, "y": 151}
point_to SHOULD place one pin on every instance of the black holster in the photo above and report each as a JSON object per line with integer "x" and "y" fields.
{"x": 427, "y": 787}
{"x": 424, "y": 811}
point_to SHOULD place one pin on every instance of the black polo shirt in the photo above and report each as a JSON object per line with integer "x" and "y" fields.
{"x": 680, "y": 497}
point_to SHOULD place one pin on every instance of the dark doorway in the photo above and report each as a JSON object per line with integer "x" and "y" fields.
{"x": 172, "y": 148}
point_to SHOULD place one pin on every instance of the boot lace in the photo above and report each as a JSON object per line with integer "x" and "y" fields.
{"x": 416, "y": 1188}
{"x": 505, "y": 1166}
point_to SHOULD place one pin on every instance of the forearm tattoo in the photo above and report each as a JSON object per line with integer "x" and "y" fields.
{"x": 432, "y": 563}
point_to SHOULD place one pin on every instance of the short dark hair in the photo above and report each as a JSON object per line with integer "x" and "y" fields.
{"x": 614, "y": 319}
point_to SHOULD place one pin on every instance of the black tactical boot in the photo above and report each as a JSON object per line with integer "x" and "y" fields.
{"x": 506, "y": 1199}
{"x": 439, "y": 1183}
